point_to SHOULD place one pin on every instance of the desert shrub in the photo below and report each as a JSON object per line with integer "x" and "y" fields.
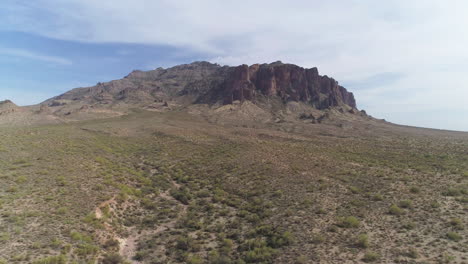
{"x": 274, "y": 237}
{"x": 415, "y": 189}
{"x": 194, "y": 259}
{"x": 395, "y": 210}
{"x": 412, "y": 253}
{"x": 446, "y": 258}
{"x": 62, "y": 210}
{"x": 405, "y": 204}
{"x": 280, "y": 239}
{"x": 86, "y": 249}
{"x": 362, "y": 241}
{"x": 377, "y": 197}
{"x": 141, "y": 255}
{"x": 451, "y": 192}
{"x": 301, "y": 260}
{"x": 456, "y": 223}
{"x": 259, "y": 254}
{"x": 181, "y": 195}
{"x": 148, "y": 204}
{"x": 112, "y": 259}
{"x": 56, "y": 243}
{"x": 370, "y": 256}
{"x": 187, "y": 243}
{"x": 215, "y": 257}
{"x": 21, "y": 179}
{"x": 409, "y": 225}
{"x": 349, "y": 222}
{"x": 111, "y": 244}
{"x": 454, "y": 236}
{"x": 317, "y": 239}
{"x": 226, "y": 246}
{"x": 4, "y": 237}
{"x": 61, "y": 259}
{"x": 190, "y": 222}
{"x": 80, "y": 237}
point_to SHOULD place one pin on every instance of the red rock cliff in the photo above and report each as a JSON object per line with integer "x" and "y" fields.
{"x": 289, "y": 82}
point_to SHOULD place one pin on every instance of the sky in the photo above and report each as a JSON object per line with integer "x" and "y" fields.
{"x": 405, "y": 61}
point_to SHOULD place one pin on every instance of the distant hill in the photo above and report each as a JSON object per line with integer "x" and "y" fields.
{"x": 7, "y": 107}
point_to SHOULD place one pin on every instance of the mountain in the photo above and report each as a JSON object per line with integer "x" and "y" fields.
{"x": 204, "y": 82}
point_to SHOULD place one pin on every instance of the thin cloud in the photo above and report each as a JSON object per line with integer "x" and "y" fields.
{"x": 34, "y": 56}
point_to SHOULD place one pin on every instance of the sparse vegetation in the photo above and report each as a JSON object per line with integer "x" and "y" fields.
{"x": 184, "y": 192}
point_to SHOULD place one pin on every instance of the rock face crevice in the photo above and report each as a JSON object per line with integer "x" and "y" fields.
{"x": 287, "y": 81}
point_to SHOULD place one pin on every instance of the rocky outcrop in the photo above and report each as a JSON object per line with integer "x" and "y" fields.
{"x": 287, "y": 81}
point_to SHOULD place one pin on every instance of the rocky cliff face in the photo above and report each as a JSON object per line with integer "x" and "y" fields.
{"x": 204, "y": 82}
{"x": 287, "y": 81}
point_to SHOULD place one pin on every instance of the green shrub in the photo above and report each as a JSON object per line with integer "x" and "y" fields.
{"x": 181, "y": 195}
{"x": 259, "y": 254}
{"x": 405, "y": 204}
{"x": 61, "y": 259}
{"x": 362, "y": 241}
{"x": 87, "y": 250}
{"x": 80, "y": 237}
{"x": 278, "y": 240}
{"x": 354, "y": 189}
{"x": 412, "y": 253}
{"x": 370, "y": 256}
{"x": 194, "y": 259}
{"x": 215, "y": 257}
{"x": 395, "y": 210}
{"x": 451, "y": 192}
{"x": 187, "y": 243}
{"x": 409, "y": 225}
{"x": 301, "y": 260}
{"x": 112, "y": 244}
{"x": 349, "y": 222}
{"x": 456, "y": 223}
{"x": 415, "y": 189}
{"x": 113, "y": 258}
{"x": 454, "y": 236}
{"x": 377, "y": 197}
{"x": 317, "y": 239}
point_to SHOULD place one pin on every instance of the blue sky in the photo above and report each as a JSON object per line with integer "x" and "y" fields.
{"x": 406, "y": 61}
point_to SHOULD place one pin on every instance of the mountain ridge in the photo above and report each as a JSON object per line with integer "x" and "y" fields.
{"x": 205, "y": 82}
